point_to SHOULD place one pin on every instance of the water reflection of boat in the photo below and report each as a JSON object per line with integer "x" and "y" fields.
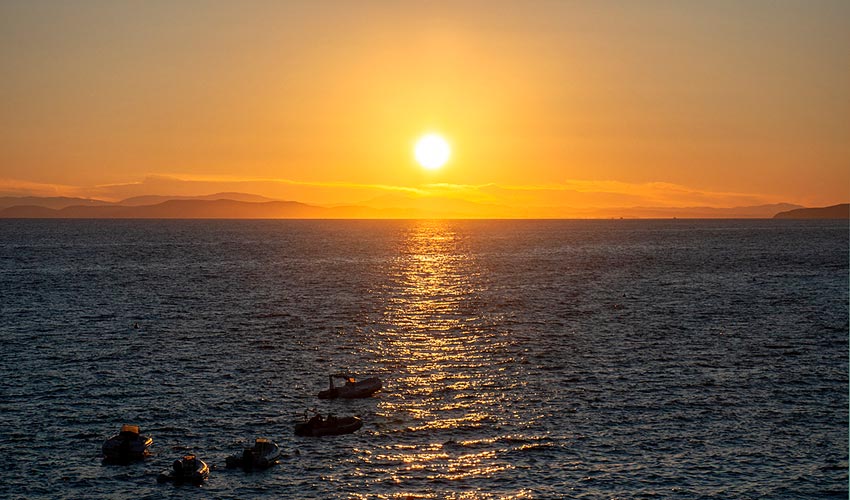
{"x": 126, "y": 446}
{"x": 331, "y": 426}
{"x": 352, "y": 388}
{"x": 189, "y": 469}
{"x": 262, "y": 455}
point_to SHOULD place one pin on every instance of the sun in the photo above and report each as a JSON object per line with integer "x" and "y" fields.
{"x": 432, "y": 151}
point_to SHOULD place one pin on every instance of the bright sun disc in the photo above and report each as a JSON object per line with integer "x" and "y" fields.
{"x": 432, "y": 151}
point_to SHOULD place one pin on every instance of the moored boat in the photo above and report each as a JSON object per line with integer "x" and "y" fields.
{"x": 126, "y": 446}
{"x": 352, "y": 388}
{"x": 189, "y": 469}
{"x": 330, "y": 426}
{"x": 262, "y": 455}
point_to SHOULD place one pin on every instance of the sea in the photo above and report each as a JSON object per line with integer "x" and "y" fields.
{"x": 610, "y": 359}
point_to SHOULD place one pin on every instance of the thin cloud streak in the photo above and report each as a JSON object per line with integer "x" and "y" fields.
{"x": 324, "y": 193}
{"x": 18, "y": 187}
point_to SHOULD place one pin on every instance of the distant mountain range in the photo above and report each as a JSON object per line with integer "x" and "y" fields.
{"x": 182, "y": 209}
{"x": 249, "y": 206}
{"x": 154, "y": 199}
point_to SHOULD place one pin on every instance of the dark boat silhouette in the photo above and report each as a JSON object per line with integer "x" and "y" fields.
{"x": 189, "y": 469}
{"x": 331, "y": 426}
{"x": 261, "y": 456}
{"x": 352, "y": 388}
{"x": 126, "y": 446}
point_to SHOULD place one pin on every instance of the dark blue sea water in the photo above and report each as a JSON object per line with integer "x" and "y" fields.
{"x": 521, "y": 359}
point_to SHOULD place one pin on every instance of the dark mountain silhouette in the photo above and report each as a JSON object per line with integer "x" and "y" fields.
{"x": 179, "y": 209}
{"x": 214, "y": 209}
{"x": 841, "y": 211}
{"x": 248, "y": 206}
{"x": 154, "y": 199}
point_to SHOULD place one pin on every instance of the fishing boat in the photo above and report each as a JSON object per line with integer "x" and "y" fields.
{"x": 126, "y": 446}
{"x": 261, "y": 456}
{"x": 352, "y": 388}
{"x": 189, "y": 469}
{"x": 330, "y": 426}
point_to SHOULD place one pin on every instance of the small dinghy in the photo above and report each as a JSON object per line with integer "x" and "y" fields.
{"x": 189, "y": 469}
{"x": 127, "y": 446}
{"x": 352, "y": 388}
{"x": 331, "y": 426}
{"x": 261, "y": 456}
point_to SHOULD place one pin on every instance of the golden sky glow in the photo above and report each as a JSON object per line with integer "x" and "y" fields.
{"x": 557, "y": 105}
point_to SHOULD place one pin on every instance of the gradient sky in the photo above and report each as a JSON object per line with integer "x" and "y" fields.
{"x": 549, "y": 103}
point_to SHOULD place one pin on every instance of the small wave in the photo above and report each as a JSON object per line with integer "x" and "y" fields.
{"x": 87, "y": 435}
{"x": 508, "y": 440}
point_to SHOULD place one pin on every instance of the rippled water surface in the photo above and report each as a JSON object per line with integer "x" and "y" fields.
{"x": 521, "y": 359}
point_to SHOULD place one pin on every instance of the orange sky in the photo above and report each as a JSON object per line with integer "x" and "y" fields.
{"x": 546, "y": 103}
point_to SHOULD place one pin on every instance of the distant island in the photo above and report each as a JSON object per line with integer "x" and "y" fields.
{"x": 841, "y": 211}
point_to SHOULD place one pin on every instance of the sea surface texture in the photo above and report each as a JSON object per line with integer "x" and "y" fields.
{"x": 520, "y": 359}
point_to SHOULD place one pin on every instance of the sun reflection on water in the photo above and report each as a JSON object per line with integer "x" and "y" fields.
{"x": 438, "y": 342}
